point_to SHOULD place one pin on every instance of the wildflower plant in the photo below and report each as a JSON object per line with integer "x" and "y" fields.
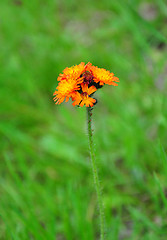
{"x": 79, "y": 83}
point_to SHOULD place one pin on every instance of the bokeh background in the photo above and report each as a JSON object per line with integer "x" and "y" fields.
{"x": 46, "y": 183}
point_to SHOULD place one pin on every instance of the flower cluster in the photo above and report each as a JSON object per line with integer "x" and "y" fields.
{"x": 80, "y": 82}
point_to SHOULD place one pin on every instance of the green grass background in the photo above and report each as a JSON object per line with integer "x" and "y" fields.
{"x": 46, "y": 183}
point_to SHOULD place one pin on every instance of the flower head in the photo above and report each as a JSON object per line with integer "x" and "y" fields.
{"x": 80, "y": 82}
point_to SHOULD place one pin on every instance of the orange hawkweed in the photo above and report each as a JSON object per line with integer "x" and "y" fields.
{"x": 80, "y": 82}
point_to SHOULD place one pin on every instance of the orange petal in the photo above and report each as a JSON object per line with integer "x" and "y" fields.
{"x": 84, "y": 87}
{"x": 76, "y": 97}
{"x": 92, "y": 89}
{"x": 88, "y": 102}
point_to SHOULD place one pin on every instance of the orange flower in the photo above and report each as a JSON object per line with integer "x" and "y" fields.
{"x": 103, "y": 76}
{"x": 80, "y": 82}
{"x": 65, "y": 89}
{"x": 84, "y": 97}
{"x": 73, "y": 72}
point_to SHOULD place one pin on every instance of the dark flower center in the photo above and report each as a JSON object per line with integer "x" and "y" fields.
{"x": 87, "y": 77}
{"x": 84, "y": 94}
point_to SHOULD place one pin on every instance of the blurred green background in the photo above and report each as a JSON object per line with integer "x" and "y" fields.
{"x": 46, "y": 183}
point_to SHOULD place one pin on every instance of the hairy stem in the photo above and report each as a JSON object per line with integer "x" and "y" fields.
{"x": 95, "y": 172}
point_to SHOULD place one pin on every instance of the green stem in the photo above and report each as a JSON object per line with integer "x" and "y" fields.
{"x": 95, "y": 172}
